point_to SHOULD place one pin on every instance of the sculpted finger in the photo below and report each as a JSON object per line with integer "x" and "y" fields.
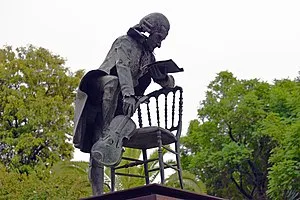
{"x": 129, "y": 112}
{"x": 125, "y": 108}
{"x": 132, "y": 110}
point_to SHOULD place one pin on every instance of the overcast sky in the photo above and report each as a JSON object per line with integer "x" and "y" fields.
{"x": 251, "y": 39}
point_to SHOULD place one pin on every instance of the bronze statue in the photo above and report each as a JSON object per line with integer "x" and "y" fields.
{"x": 113, "y": 90}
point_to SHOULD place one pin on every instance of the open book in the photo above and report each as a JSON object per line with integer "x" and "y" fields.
{"x": 168, "y": 66}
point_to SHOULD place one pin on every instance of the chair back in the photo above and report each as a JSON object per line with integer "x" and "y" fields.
{"x": 163, "y": 108}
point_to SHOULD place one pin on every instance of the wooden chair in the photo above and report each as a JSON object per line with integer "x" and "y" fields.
{"x": 160, "y": 123}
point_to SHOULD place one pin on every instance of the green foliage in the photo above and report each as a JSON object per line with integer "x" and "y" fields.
{"x": 246, "y": 139}
{"x": 284, "y": 128}
{"x": 36, "y": 96}
{"x": 126, "y": 182}
{"x": 64, "y": 181}
{"x": 190, "y": 182}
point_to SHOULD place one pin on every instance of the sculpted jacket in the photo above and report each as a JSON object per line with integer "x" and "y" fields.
{"x": 127, "y": 59}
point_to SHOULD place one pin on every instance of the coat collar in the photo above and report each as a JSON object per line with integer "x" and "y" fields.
{"x": 138, "y": 36}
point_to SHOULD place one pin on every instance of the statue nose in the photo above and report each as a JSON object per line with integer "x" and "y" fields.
{"x": 158, "y": 44}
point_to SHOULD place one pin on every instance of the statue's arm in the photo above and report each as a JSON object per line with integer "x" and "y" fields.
{"x": 169, "y": 82}
{"x": 123, "y": 62}
{"x": 161, "y": 77}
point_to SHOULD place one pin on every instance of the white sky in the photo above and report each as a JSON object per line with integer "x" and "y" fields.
{"x": 251, "y": 39}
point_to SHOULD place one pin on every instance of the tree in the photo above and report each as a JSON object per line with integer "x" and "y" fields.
{"x": 36, "y": 112}
{"x": 234, "y": 143}
{"x": 65, "y": 180}
{"x": 190, "y": 182}
{"x": 283, "y": 125}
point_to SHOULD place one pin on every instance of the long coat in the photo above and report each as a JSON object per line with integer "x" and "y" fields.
{"x": 126, "y": 59}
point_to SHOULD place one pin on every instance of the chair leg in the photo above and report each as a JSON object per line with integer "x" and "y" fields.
{"x": 178, "y": 164}
{"x": 146, "y": 166}
{"x": 160, "y": 158}
{"x": 112, "y": 179}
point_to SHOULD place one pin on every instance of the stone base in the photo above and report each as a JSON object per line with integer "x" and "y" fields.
{"x": 153, "y": 192}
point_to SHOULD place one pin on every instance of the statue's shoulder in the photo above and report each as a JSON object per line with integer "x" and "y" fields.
{"x": 127, "y": 41}
{"x": 126, "y": 38}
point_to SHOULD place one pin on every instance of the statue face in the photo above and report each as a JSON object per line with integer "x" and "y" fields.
{"x": 154, "y": 40}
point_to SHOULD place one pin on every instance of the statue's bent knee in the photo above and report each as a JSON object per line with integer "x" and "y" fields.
{"x": 108, "y": 83}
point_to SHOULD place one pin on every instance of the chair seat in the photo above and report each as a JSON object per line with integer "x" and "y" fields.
{"x": 146, "y": 138}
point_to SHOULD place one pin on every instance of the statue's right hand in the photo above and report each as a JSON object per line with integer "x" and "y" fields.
{"x": 129, "y": 105}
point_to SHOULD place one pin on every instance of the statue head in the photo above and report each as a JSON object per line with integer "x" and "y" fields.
{"x": 158, "y": 26}
{"x": 155, "y": 22}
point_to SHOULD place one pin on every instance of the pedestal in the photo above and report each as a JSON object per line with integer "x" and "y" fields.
{"x": 153, "y": 192}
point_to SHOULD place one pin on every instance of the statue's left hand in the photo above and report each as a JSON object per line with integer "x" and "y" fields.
{"x": 129, "y": 105}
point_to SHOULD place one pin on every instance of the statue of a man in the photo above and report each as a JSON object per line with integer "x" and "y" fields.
{"x": 111, "y": 90}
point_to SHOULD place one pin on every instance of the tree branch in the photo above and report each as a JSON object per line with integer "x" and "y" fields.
{"x": 249, "y": 177}
{"x": 9, "y": 123}
{"x": 36, "y": 151}
{"x": 254, "y": 171}
{"x": 252, "y": 192}
{"x": 25, "y": 121}
{"x": 241, "y": 180}
{"x": 16, "y": 122}
{"x": 259, "y": 178}
{"x": 240, "y": 188}
{"x": 230, "y": 133}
